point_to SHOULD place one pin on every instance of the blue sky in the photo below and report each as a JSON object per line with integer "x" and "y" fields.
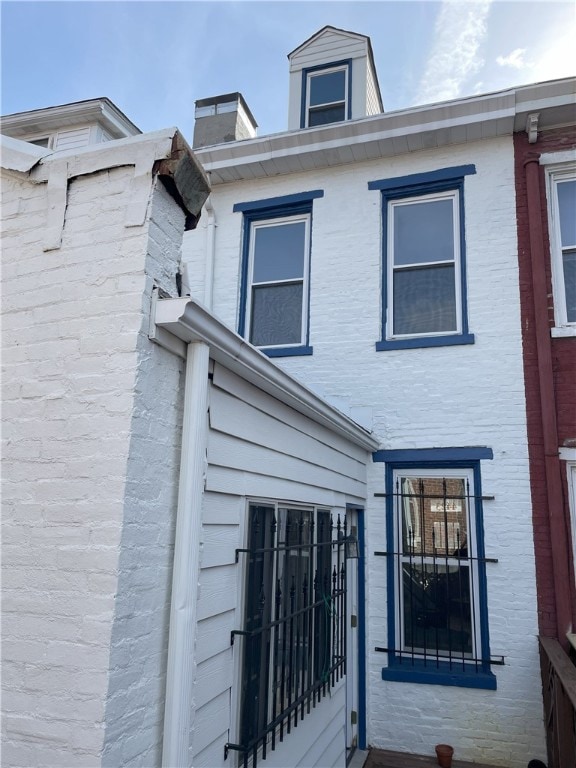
{"x": 154, "y": 59}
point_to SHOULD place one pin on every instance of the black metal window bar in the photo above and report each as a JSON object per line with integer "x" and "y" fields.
{"x": 294, "y": 635}
{"x": 436, "y": 574}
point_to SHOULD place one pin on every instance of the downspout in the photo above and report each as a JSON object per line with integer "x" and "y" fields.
{"x": 178, "y": 716}
{"x": 554, "y": 497}
{"x": 210, "y": 253}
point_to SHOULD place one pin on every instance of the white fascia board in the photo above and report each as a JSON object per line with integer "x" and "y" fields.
{"x": 16, "y": 155}
{"x": 190, "y": 321}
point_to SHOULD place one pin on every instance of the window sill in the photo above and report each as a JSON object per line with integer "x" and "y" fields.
{"x": 417, "y": 671}
{"x": 425, "y": 341}
{"x": 286, "y": 351}
{"x": 563, "y": 332}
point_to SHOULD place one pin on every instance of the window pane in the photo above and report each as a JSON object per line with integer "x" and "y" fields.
{"x": 279, "y": 252}
{"x": 325, "y": 115}
{"x": 437, "y": 608}
{"x": 569, "y": 262}
{"x": 434, "y": 516}
{"x": 424, "y": 300}
{"x": 424, "y": 232}
{"x": 327, "y": 87}
{"x": 276, "y": 315}
{"x": 567, "y": 208}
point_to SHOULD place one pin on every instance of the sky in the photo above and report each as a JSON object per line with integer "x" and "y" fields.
{"x": 154, "y": 59}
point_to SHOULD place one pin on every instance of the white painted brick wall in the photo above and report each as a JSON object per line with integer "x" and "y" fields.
{"x": 90, "y": 459}
{"x": 446, "y": 396}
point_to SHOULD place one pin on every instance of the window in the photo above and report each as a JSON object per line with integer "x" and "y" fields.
{"x": 294, "y": 633}
{"x": 562, "y": 208}
{"x": 437, "y": 607}
{"x": 423, "y": 274}
{"x": 326, "y": 94}
{"x": 275, "y": 273}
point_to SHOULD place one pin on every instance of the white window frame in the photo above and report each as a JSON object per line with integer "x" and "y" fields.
{"x": 454, "y": 195}
{"x": 274, "y": 222}
{"x": 569, "y": 456}
{"x": 467, "y": 475}
{"x": 555, "y": 174}
{"x": 318, "y": 73}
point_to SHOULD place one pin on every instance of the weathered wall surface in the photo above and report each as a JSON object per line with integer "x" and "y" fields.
{"x": 564, "y": 372}
{"x": 434, "y": 397}
{"x": 70, "y": 323}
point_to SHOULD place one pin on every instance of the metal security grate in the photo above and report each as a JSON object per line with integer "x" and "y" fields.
{"x": 294, "y": 634}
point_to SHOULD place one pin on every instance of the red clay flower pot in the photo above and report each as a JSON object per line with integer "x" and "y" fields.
{"x": 444, "y": 754}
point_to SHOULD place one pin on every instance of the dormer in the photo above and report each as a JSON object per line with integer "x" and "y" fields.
{"x": 70, "y": 126}
{"x": 332, "y": 78}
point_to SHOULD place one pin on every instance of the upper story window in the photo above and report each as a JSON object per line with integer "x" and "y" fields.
{"x": 423, "y": 274}
{"x": 274, "y": 300}
{"x": 326, "y": 95}
{"x": 562, "y": 215}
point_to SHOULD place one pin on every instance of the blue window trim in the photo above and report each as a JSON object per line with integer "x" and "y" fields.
{"x": 442, "y": 180}
{"x": 331, "y": 65}
{"x": 270, "y": 208}
{"x": 419, "y": 671}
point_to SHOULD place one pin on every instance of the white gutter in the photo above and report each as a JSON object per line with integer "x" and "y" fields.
{"x": 179, "y": 710}
{"x": 189, "y": 321}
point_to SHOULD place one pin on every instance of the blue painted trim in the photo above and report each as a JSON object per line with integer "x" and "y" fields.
{"x": 442, "y": 180}
{"x": 419, "y": 455}
{"x": 287, "y": 351}
{"x": 417, "y": 670}
{"x": 423, "y": 179}
{"x": 362, "y": 737}
{"x": 319, "y": 68}
{"x": 426, "y": 341}
{"x": 277, "y": 202}
{"x": 406, "y": 673}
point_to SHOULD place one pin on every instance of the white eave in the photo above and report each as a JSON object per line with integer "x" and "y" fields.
{"x": 188, "y": 321}
{"x": 393, "y": 133}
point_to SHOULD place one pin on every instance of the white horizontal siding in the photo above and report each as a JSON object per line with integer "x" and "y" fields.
{"x": 372, "y": 101}
{"x": 330, "y": 46}
{"x": 73, "y": 138}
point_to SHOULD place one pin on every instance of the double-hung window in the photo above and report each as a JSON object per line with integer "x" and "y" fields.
{"x": 423, "y": 274}
{"x": 293, "y": 638}
{"x": 274, "y": 301}
{"x": 326, "y": 94}
{"x": 437, "y": 620}
{"x": 562, "y": 217}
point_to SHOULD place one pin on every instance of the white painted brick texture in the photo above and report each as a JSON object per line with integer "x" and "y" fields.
{"x": 89, "y": 476}
{"x": 445, "y": 396}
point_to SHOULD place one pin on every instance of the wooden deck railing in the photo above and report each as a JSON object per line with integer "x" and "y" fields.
{"x": 559, "y": 688}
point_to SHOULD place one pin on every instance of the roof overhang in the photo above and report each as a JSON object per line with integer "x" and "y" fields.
{"x": 392, "y": 133}
{"x": 177, "y": 322}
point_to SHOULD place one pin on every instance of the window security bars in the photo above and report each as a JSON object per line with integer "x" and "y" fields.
{"x": 294, "y": 635}
{"x": 436, "y": 575}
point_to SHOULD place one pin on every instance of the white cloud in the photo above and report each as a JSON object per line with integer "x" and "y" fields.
{"x": 459, "y": 31}
{"x": 514, "y": 59}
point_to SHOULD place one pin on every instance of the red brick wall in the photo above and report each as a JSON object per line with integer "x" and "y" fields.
{"x": 564, "y": 367}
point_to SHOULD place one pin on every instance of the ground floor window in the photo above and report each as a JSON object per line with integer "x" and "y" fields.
{"x": 437, "y": 595}
{"x": 294, "y": 634}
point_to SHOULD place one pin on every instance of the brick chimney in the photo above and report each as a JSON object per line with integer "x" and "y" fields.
{"x": 222, "y": 118}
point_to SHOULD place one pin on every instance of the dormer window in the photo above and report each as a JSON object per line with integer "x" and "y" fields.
{"x": 327, "y": 95}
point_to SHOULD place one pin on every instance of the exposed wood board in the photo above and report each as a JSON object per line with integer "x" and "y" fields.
{"x": 213, "y": 676}
{"x": 241, "y": 389}
{"x": 213, "y": 634}
{"x": 217, "y": 592}
{"x": 219, "y": 545}
{"x": 265, "y": 487}
{"x": 222, "y": 509}
{"x": 381, "y": 758}
{"x": 212, "y": 721}
{"x": 236, "y": 417}
{"x": 226, "y": 451}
